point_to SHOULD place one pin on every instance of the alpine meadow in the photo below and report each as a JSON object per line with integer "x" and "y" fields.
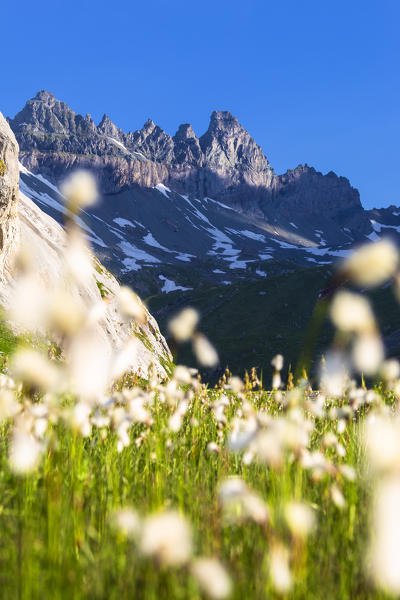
{"x": 199, "y": 341}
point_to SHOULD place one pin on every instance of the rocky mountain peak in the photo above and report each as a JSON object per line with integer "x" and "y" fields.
{"x": 149, "y": 126}
{"x": 185, "y": 131}
{"x": 223, "y": 119}
{"x": 44, "y": 114}
{"x": 107, "y": 127}
{"x": 228, "y": 146}
{"x": 44, "y": 96}
{"x": 153, "y": 142}
{"x": 187, "y": 147}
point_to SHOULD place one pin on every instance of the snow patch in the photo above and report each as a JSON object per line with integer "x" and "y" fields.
{"x": 253, "y": 236}
{"x": 265, "y": 256}
{"x": 170, "y": 286}
{"x": 163, "y": 189}
{"x": 134, "y": 254}
{"x": 151, "y": 241}
{"x": 123, "y": 222}
{"x": 185, "y": 257}
{"x": 219, "y": 203}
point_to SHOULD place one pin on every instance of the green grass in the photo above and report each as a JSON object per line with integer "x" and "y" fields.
{"x": 104, "y": 291}
{"x": 57, "y": 540}
{"x": 8, "y": 340}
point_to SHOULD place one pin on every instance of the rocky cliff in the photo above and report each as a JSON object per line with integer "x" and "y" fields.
{"x": 9, "y": 189}
{"x": 22, "y": 220}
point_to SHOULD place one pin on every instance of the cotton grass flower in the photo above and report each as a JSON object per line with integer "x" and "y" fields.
{"x": 384, "y": 554}
{"x": 390, "y": 370}
{"x": 300, "y": 518}
{"x": 372, "y": 264}
{"x": 65, "y": 315}
{"x": 80, "y": 190}
{"x": 334, "y": 373}
{"x": 167, "y": 537}
{"x": 204, "y": 351}
{"x": 25, "y": 452}
{"x": 212, "y": 447}
{"x": 279, "y": 569}
{"x": 88, "y": 364}
{"x": 277, "y": 362}
{"x": 337, "y": 497}
{"x": 382, "y": 436}
{"x": 129, "y": 305}
{"x": 127, "y": 521}
{"x": 352, "y": 312}
{"x": 77, "y": 258}
{"x": 34, "y": 370}
{"x": 183, "y": 325}
{"x": 368, "y": 353}
{"x": 239, "y": 502}
{"x": 212, "y": 578}
{"x": 9, "y": 407}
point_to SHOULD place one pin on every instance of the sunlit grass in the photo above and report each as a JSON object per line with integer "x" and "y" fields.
{"x": 57, "y": 534}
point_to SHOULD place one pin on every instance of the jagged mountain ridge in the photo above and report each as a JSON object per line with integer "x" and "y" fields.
{"x": 179, "y": 211}
{"x": 225, "y": 163}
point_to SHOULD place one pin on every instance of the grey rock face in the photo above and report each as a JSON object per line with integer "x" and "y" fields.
{"x": 9, "y": 186}
{"x": 107, "y": 127}
{"x": 307, "y": 192}
{"x": 225, "y": 164}
{"x": 228, "y": 146}
{"x": 187, "y": 147}
{"x": 152, "y": 142}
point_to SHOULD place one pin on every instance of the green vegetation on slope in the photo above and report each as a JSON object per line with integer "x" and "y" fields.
{"x": 251, "y": 322}
{"x": 8, "y": 341}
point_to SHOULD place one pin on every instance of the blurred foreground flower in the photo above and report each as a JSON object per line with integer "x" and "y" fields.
{"x": 279, "y": 569}
{"x": 25, "y": 452}
{"x": 212, "y": 578}
{"x": 167, "y": 537}
{"x": 127, "y": 521}
{"x": 239, "y": 502}
{"x": 372, "y": 264}
{"x": 204, "y": 351}
{"x": 183, "y": 325}
{"x": 385, "y": 545}
{"x": 300, "y": 518}
{"x": 80, "y": 189}
{"x": 352, "y": 313}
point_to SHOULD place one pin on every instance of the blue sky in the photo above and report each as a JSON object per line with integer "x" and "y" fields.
{"x": 312, "y": 81}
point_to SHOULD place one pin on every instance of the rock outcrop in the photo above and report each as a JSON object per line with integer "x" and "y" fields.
{"x": 306, "y": 192}
{"x": 21, "y": 219}
{"x": 9, "y": 186}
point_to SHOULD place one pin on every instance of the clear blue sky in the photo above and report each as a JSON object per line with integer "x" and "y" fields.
{"x": 314, "y": 81}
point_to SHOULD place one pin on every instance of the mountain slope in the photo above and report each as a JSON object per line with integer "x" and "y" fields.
{"x": 23, "y": 220}
{"x": 250, "y": 322}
